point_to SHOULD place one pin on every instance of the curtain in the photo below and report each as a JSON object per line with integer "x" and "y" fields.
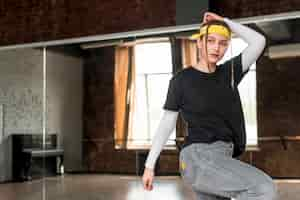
{"x": 189, "y": 52}
{"x": 131, "y": 109}
{"x": 120, "y": 95}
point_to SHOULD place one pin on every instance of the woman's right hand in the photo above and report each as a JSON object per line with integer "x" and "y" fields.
{"x": 148, "y": 177}
{"x": 211, "y": 16}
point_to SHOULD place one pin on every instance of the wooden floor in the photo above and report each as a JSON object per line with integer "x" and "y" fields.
{"x": 114, "y": 187}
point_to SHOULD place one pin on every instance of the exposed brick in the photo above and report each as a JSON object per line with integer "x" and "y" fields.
{"x": 250, "y": 8}
{"x": 33, "y": 21}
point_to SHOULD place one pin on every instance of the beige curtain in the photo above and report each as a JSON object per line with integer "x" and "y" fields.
{"x": 132, "y": 87}
{"x": 124, "y": 93}
{"x": 120, "y": 95}
{"x": 189, "y": 52}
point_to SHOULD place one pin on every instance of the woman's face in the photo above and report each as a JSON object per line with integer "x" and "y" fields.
{"x": 216, "y": 47}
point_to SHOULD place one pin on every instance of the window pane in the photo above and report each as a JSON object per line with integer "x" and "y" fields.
{"x": 139, "y": 130}
{"x": 158, "y": 88}
{"x": 153, "y": 72}
{"x": 153, "y": 58}
{"x": 247, "y": 89}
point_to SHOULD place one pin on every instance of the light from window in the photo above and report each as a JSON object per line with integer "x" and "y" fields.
{"x": 153, "y": 71}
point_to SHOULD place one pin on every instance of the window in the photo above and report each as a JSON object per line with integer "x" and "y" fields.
{"x": 247, "y": 90}
{"x": 153, "y": 70}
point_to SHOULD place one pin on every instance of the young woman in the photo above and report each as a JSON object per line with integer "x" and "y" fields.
{"x": 206, "y": 95}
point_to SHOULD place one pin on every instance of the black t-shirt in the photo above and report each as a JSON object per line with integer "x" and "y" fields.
{"x": 208, "y": 104}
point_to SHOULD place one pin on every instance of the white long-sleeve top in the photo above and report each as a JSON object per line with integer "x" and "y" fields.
{"x": 256, "y": 43}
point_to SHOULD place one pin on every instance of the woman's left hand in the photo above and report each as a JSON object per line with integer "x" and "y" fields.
{"x": 211, "y": 16}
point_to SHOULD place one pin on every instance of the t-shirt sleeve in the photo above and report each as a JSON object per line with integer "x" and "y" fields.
{"x": 174, "y": 95}
{"x": 237, "y": 68}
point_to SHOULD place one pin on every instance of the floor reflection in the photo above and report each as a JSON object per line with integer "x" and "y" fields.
{"x": 114, "y": 187}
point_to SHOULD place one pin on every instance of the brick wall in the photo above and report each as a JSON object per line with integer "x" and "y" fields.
{"x": 278, "y": 96}
{"x": 249, "y": 8}
{"x": 99, "y": 154}
{"x": 43, "y": 20}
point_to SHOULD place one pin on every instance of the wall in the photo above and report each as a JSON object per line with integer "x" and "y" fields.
{"x": 98, "y": 135}
{"x": 64, "y": 92}
{"x": 43, "y": 20}
{"x": 98, "y": 112}
{"x": 250, "y": 8}
{"x": 21, "y": 99}
{"x": 21, "y": 96}
{"x": 278, "y": 96}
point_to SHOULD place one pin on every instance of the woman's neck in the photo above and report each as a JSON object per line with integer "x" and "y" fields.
{"x": 203, "y": 66}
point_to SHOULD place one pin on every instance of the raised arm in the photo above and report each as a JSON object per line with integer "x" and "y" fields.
{"x": 163, "y": 132}
{"x": 256, "y": 42}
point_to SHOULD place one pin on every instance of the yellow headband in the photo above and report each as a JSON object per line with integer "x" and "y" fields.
{"x": 212, "y": 29}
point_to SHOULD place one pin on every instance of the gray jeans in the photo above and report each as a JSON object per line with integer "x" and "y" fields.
{"x": 213, "y": 174}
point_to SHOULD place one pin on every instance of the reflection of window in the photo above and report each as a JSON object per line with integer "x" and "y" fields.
{"x": 153, "y": 71}
{"x": 247, "y": 89}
